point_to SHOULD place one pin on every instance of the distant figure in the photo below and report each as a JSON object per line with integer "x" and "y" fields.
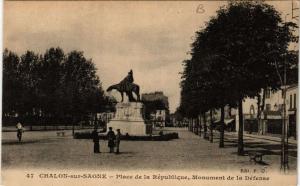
{"x": 19, "y": 131}
{"x": 118, "y": 140}
{"x": 111, "y": 140}
{"x": 95, "y": 137}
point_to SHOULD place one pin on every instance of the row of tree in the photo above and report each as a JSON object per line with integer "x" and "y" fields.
{"x": 54, "y": 86}
{"x": 240, "y": 52}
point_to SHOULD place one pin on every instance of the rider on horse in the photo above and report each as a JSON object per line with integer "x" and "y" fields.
{"x": 127, "y": 86}
{"x": 127, "y": 81}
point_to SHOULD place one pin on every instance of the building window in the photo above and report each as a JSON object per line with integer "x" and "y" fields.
{"x": 294, "y": 101}
{"x": 268, "y": 107}
{"x": 291, "y": 101}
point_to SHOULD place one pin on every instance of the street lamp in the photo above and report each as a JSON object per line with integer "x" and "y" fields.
{"x": 284, "y": 137}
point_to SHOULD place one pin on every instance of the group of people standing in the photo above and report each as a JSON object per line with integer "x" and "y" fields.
{"x": 113, "y": 140}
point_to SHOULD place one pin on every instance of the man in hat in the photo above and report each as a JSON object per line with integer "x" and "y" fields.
{"x": 111, "y": 140}
{"x": 118, "y": 139}
{"x": 95, "y": 137}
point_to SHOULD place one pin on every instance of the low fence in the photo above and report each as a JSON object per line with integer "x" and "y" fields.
{"x": 160, "y": 137}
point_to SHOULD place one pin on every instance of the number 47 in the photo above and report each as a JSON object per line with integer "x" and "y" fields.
{"x": 29, "y": 175}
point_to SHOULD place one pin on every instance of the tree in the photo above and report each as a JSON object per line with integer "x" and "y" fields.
{"x": 51, "y": 82}
{"x": 248, "y": 33}
{"x": 11, "y": 83}
{"x": 29, "y": 69}
{"x": 82, "y": 88}
{"x": 242, "y": 48}
{"x": 51, "y": 88}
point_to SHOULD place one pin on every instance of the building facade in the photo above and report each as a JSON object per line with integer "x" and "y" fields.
{"x": 270, "y": 121}
{"x": 250, "y": 109}
{"x": 291, "y": 107}
{"x": 156, "y": 108}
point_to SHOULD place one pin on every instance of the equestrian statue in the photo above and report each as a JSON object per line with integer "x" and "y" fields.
{"x": 127, "y": 86}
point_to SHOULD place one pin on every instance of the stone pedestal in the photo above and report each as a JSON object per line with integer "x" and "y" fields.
{"x": 129, "y": 119}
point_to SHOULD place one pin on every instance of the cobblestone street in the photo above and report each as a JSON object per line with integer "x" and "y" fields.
{"x": 48, "y": 151}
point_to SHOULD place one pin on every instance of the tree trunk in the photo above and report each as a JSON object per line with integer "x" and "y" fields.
{"x": 197, "y": 124}
{"x": 44, "y": 122}
{"x": 258, "y": 106}
{"x": 211, "y": 127}
{"x": 204, "y": 127}
{"x": 262, "y": 108}
{"x": 73, "y": 125}
{"x": 241, "y": 128}
{"x": 193, "y": 125}
{"x": 196, "y": 127}
{"x": 200, "y": 126}
{"x": 190, "y": 124}
{"x": 221, "y": 144}
{"x": 263, "y": 100}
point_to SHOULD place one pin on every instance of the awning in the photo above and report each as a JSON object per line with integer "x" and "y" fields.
{"x": 226, "y": 121}
{"x": 271, "y": 115}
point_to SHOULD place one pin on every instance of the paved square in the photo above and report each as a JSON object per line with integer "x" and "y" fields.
{"x": 190, "y": 152}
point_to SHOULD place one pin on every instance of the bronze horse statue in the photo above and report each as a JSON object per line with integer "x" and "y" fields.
{"x": 127, "y": 89}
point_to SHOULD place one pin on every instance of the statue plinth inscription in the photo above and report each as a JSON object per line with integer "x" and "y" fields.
{"x": 132, "y": 111}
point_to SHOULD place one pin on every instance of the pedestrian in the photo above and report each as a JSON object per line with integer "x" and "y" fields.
{"x": 19, "y": 130}
{"x": 95, "y": 137}
{"x": 200, "y": 129}
{"x": 118, "y": 140}
{"x": 111, "y": 140}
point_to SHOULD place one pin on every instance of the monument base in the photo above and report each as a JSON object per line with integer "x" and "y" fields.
{"x": 129, "y": 119}
{"x": 133, "y": 128}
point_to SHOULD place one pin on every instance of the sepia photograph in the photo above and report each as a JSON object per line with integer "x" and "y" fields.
{"x": 150, "y": 92}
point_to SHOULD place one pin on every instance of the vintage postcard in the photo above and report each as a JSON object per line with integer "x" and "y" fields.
{"x": 150, "y": 93}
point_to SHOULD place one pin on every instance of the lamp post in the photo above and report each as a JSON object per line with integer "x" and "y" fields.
{"x": 284, "y": 137}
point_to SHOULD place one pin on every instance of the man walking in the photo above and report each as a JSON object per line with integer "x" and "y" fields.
{"x": 111, "y": 140}
{"x": 19, "y": 131}
{"x": 118, "y": 139}
{"x": 95, "y": 137}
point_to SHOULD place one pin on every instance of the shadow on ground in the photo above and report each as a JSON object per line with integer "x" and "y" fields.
{"x": 15, "y": 142}
{"x": 262, "y": 147}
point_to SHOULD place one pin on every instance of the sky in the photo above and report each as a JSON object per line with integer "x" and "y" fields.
{"x": 151, "y": 38}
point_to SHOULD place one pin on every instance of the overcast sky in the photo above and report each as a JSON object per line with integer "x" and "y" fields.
{"x": 151, "y": 38}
